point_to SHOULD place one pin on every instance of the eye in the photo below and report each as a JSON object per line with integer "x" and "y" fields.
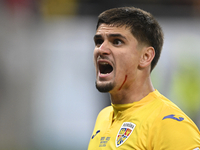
{"x": 118, "y": 42}
{"x": 98, "y": 42}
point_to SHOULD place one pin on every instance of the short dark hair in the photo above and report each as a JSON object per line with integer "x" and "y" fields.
{"x": 142, "y": 24}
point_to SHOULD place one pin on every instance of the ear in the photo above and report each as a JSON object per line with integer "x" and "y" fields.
{"x": 148, "y": 53}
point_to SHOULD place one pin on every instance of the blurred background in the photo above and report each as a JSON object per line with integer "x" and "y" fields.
{"x": 48, "y": 99}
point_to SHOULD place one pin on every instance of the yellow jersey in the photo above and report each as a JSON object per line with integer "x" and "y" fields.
{"x": 153, "y": 123}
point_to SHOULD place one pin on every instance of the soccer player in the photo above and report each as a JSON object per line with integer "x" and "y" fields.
{"x": 128, "y": 43}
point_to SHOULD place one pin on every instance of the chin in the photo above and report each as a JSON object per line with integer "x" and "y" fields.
{"x": 104, "y": 87}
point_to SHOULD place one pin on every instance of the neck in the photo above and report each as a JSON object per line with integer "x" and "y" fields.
{"x": 134, "y": 92}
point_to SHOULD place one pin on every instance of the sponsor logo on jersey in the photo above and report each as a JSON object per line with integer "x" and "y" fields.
{"x": 196, "y": 148}
{"x": 124, "y": 133}
{"x": 172, "y": 117}
{"x": 104, "y": 141}
{"x": 95, "y": 134}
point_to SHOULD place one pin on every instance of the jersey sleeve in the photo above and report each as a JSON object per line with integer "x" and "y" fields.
{"x": 174, "y": 132}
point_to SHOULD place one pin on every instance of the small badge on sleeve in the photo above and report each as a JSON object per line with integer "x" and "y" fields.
{"x": 124, "y": 133}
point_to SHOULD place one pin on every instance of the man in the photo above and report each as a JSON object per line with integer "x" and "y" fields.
{"x": 128, "y": 43}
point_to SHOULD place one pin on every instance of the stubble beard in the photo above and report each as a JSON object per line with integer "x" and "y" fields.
{"x": 104, "y": 88}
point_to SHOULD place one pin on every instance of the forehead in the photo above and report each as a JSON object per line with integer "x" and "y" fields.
{"x": 110, "y": 29}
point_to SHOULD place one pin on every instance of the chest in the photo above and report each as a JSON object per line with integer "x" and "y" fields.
{"x": 122, "y": 134}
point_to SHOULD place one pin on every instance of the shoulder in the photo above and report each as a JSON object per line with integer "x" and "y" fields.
{"x": 165, "y": 107}
{"x": 105, "y": 113}
{"x": 171, "y": 116}
{"x": 171, "y": 120}
{"x": 173, "y": 128}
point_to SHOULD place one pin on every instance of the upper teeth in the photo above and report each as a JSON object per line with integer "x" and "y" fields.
{"x": 103, "y": 63}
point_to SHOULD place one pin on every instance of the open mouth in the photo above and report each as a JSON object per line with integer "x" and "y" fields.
{"x": 105, "y": 68}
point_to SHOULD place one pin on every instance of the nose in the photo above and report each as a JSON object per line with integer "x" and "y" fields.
{"x": 104, "y": 48}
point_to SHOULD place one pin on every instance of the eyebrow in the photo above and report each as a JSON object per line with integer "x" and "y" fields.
{"x": 110, "y": 35}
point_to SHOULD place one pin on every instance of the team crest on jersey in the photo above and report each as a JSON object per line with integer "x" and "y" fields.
{"x": 124, "y": 133}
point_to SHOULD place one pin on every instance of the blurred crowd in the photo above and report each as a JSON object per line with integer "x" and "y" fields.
{"x": 46, "y": 8}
